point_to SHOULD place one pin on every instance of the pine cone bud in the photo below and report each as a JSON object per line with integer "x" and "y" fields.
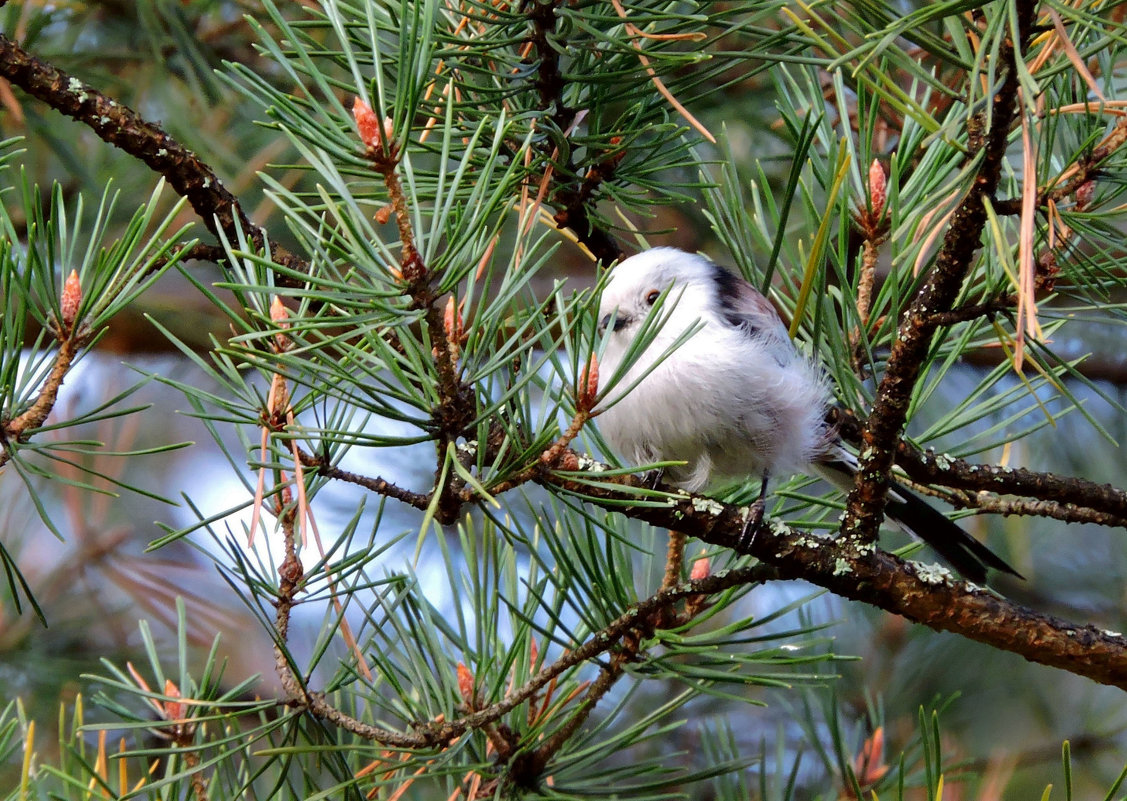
{"x": 70, "y": 301}
{"x": 878, "y": 188}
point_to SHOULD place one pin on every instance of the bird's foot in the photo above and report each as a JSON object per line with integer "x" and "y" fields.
{"x": 753, "y": 518}
{"x": 653, "y": 477}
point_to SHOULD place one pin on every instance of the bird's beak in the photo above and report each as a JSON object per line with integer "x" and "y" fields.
{"x": 614, "y": 321}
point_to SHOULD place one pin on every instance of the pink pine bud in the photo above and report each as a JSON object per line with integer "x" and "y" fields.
{"x": 367, "y": 123}
{"x": 701, "y": 568}
{"x": 280, "y": 315}
{"x": 452, "y": 321}
{"x": 173, "y": 710}
{"x": 465, "y": 684}
{"x": 70, "y": 301}
{"x": 869, "y": 765}
{"x": 372, "y": 132}
{"x": 1084, "y": 194}
{"x": 588, "y": 384}
{"x": 878, "y": 188}
{"x": 568, "y": 460}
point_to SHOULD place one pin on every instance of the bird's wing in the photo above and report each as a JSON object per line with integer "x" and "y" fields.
{"x": 745, "y": 307}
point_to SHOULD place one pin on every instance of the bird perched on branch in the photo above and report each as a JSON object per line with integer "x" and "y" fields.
{"x": 714, "y": 381}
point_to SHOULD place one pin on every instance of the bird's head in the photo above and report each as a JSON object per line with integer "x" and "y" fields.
{"x": 682, "y": 283}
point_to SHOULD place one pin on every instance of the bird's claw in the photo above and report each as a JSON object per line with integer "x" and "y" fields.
{"x": 653, "y": 477}
{"x": 753, "y": 518}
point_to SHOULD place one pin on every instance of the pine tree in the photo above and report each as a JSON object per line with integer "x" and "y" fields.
{"x": 457, "y": 590}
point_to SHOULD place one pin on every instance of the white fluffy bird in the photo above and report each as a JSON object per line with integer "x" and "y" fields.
{"x": 735, "y": 400}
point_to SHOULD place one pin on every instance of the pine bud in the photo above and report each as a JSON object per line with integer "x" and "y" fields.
{"x": 173, "y": 710}
{"x": 465, "y": 684}
{"x": 878, "y": 188}
{"x": 452, "y": 322}
{"x": 372, "y": 133}
{"x": 279, "y": 315}
{"x": 1084, "y": 194}
{"x": 588, "y": 385}
{"x": 701, "y": 567}
{"x": 70, "y": 300}
{"x": 869, "y": 765}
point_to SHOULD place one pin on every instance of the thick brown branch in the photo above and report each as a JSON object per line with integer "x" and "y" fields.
{"x": 122, "y": 127}
{"x": 569, "y": 200}
{"x": 865, "y": 507}
{"x": 948, "y": 471}
{"x": 921, "y": 593}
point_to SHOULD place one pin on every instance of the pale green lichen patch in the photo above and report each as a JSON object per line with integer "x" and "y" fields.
{"x": 708, "y": 506}
{"x": 778, "y": 527}
{"x": 75, "y": 85}
{"x": 932, "y": 574}
{"x": 842, "y": 567}
{"x": 591, "y": 465}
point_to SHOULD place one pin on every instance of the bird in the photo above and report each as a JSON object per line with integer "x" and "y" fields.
{"x": 711, "y": 379}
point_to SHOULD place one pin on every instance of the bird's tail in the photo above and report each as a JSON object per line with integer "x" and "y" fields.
{"x": 958, "y": 548}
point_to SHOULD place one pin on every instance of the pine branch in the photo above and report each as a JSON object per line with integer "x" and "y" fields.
{"x": 122, "y": 127}
{"x": 571, "y": 203}
{"x": 865, "y": 506}
{"x": 377, "y": 485}
{"x": 1102, "y": 500}
{"x": 922, "y": 594}
{"x": 1077, "y": 178}
{"x": 15, "y": 429}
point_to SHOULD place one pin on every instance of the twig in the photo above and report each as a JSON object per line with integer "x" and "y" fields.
{"x": 40, "y": 409}
{"x": 455, "y": 408}
{"x": 1080, "y": 173}
{"x": 419, "y": 500}
{"x": 970, "y": 312}
{"x": 674, "y": 557}
{"x": 1031, "y": 507}
{"x": 438, "y": 733}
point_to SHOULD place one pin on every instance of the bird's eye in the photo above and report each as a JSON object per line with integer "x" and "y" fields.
{"x": 652, "y": 297}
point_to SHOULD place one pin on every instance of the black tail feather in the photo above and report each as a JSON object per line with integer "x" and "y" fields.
{"x": 964, "y": 553}
{"x": 958, "y": 548}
